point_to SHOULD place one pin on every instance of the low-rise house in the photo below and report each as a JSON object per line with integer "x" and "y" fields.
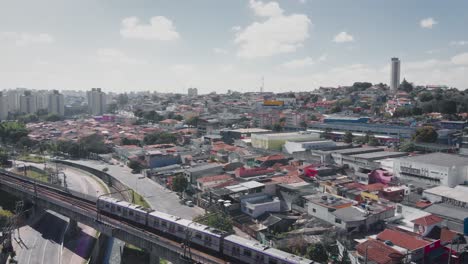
{"x": 257, "y": 204}
{"x": 162, "y": 158}
{"x": 170, "y": 124}
{"x": 197, "y": 172}
{"x": 204, "y": 183}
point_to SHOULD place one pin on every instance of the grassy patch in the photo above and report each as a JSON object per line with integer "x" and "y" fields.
{"x": 34, "y": 159}
{"x": 139, "y": 200}
{"x": 37, "y": 175}
{"x": 132, "y": 247}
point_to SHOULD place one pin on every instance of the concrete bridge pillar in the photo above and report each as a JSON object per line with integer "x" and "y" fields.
{"x": 154, "y": 259}
{"x": 73, "y": 228}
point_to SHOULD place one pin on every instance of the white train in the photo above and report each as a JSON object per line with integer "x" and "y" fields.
{"x": 231, "y": 247}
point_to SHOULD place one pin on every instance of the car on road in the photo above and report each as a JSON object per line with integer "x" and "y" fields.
{"x": 105, "y": 169}
{"x": 189, "y": 203}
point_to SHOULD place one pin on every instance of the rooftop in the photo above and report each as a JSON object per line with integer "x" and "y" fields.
{"x": 427, "y": 220}
{"x": 380, "y": 155}
{"x": 402, "y": 239}
{"x": 328, "y": 200}
{"x": 458, "y": 193}
{"x": 378, "y": 252}
{"x": 439, "y": 159}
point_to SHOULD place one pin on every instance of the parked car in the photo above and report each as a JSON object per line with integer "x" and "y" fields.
{"x": 189, "y": 203}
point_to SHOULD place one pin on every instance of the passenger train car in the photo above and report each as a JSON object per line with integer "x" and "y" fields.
{"x": 228, "y": 246}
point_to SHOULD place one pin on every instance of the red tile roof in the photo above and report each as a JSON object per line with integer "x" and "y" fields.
{"x": 373, "y": 187}
{"x": 428, "y": 220}
{"x": 272, "y": 157}
{"x": 214, "y": 178}
{"x": 447, "y": 235}
{"x": 379, "y": 252}
{"x": 403, "y": 239}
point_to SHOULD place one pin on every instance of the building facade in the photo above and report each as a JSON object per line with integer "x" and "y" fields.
{"x": 56, "y": 103}
{"x": 395, "y": 75}
{"x": 28, "y": 104}
{"x": 96, "y": 101}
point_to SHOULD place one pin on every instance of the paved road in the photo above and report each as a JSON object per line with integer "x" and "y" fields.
{"x": 158, "y": 197}
{"x": 43, "y": 241}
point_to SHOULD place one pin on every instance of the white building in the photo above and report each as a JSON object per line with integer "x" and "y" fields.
{"x": 192, "y": 92}
{"x": 96, "y": 101}
{"x": 395, "y": 74}
{"x": 435, "y": 168}
{"x": 56, "y": 103}
{"x": 3, "y": 107}
{"x": 28, "y": 103}
{"x": 277, "y": 140}
{"x": 256, "y": 205}
{"x": 14, "y": 99}
{"x": 290, "y": 146}
{"x": 42, "y": 99}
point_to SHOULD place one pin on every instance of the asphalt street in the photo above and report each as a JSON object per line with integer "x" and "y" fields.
{"x": 158, "y": 197}
{"x": 43, "y": 242}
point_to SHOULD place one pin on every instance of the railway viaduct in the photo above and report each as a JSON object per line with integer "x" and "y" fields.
{"x": 83, "y": 209}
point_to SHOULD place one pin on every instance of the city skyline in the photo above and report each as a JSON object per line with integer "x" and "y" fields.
{"x": 295, "y": 45}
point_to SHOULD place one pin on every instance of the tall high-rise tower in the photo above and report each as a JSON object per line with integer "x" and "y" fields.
{"x": 56, "y": 103}
{"x": 395, "y": 75}
{"x": 96, "y": 101}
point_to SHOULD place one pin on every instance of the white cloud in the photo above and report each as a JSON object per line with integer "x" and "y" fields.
{"x": 460, "y": 59}
{"x": 270, "y": 9}
{"x": 323, "y": 58}
{"x": 343, "y": 37}
{"x": 109, "y": 55}
{"x": 236, "y": 28}
{"x": 25, "y": 39}
{"x": 459, "y": 43}
{"x": 220, "y": 51}
{"x": 159, "y": 28}
{"x": 428, "y": 23}
{"x": 277, "y": 34}
{"x": 302, "y": 1}
{"x": 299, "y": 63}
{"x": 420, "y": 65}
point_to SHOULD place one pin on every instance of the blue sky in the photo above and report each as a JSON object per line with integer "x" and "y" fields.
{"x": 216, "y": 45}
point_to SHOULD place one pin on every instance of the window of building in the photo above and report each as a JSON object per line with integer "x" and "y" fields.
{"x": 313, "y": 210}
{"x": 338, "y": 221}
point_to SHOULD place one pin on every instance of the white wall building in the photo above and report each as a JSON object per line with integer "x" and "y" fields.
{"x": 28, "y": 103}
{"x": 96, "y": 101}
{"x": 395, "y": 75}
{"x": 291, "y": 146}
{"x": 435, "y": 168}
{"x": 277, "y": 140}
{"x": 3, "y": 107}
{"x": 257, "y": 205}
{"x": 56, "y": 103}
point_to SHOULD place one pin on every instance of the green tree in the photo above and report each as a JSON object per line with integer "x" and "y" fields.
{"x": 317, "y": 252}
{"x": 216, "y": 220}
{"x": 112, "y": 108}
{"x": 313, "y": 118}
{"x": 425, "y": 97}
{"x": 193, "y": 121}
{"x": 11, "y": 132}
{"x": 178, "y": 117}
{"x": 179, "y": 183}
{"x": 407, "y": 147}
{"x": 303, "y": 124}
{"x": 425, "y": 134}
{"x": 53, "y": 118}
{"x": 327, "y": 134}
{"x": 4, "y": 158}
{"x": 160, "y": 138}
{"x": 277, "y": 127}
{"x": 126, "y": 141}
{"x": 373, "y": 141}
{"x": 94, "y": 144}
{"x": 336, "y": 109}
{"x": 406, "y": 86}
{"x": 348, "y": 137}
{"x": 135, "y": 166}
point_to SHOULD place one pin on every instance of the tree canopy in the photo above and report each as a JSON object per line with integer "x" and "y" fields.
{"x": 216, "y": 220}
{"x": 348, "y": 137}
{"x": 160, "y": 138}
{"x": 425, "y": 134}
{"x": 179, "y": 183}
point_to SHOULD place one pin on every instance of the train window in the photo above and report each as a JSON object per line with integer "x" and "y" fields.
{"x": 137, "y": 217}
{"x": 156, "y": 222}
{"x": 107, "y": 205}
{"x": 198, "y": 235}
{"x": 272, "y": 261}
{"x": 247, "y": 253}
{"x": 125, "y": 212}
{"x": 235, "y": 251}
{"x": 130, "y": 213}
{"x": 118, "y": 209}
{"x": 112, "y": 208}
{"x": 163, "y": 223}
{"x": 180, "y": 229}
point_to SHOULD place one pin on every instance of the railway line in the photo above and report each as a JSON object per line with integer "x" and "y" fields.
{"x": 87, "y": 206}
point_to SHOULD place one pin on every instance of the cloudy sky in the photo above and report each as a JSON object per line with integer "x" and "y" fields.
{"x": 216, "y": 45}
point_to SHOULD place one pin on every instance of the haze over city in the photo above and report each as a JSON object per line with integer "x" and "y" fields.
{"x": 165, "y": 46}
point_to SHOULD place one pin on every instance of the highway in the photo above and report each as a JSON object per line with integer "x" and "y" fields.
{"x": 43, "y": 242}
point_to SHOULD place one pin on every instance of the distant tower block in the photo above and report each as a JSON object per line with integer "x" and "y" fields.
{"x": 395, "y": 75}
{"x": 192, "y": 92}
